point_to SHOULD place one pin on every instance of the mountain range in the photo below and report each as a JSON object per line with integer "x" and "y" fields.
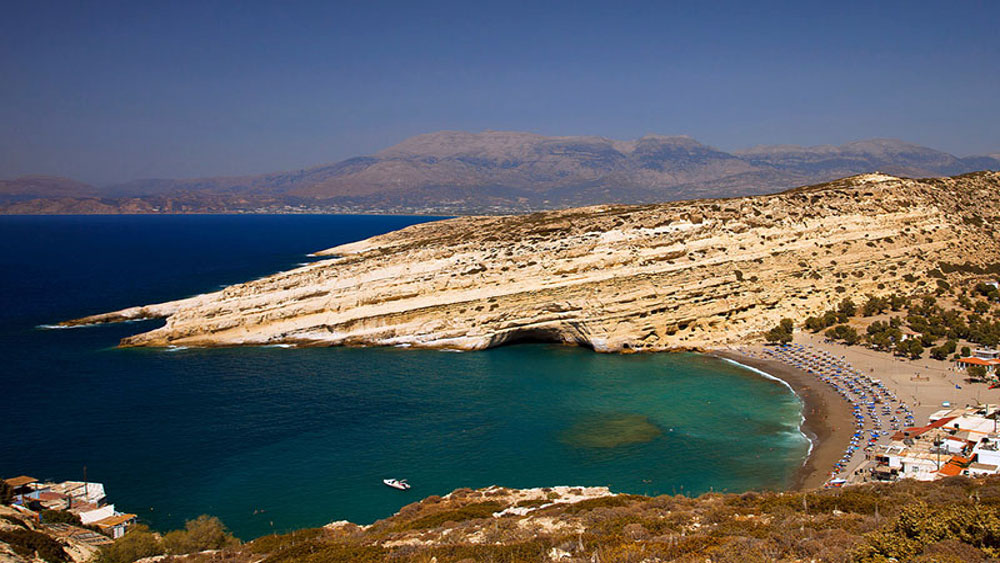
{"x": 455, "y": 172}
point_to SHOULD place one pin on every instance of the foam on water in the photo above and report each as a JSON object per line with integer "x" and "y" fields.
{"x": 802, "y": 418}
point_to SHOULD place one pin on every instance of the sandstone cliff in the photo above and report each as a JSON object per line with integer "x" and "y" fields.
{"x": 694, "y": 274}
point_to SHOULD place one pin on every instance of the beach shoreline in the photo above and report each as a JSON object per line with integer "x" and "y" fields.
{"x": 828, "y": 421}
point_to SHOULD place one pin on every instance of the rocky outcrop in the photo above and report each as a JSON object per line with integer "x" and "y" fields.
{"x": 23, "y": 539}
{"x": 558, "y": 524}
{"x": 694, "y": 274}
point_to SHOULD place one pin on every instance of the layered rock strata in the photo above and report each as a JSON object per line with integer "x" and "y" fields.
{"x": 682, "y": 275}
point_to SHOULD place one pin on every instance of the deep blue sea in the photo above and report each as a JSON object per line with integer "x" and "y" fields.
{"x": 273, "y": 439}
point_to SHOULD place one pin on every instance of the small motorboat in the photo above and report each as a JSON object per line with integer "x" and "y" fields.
{"x": 400, "y": 484}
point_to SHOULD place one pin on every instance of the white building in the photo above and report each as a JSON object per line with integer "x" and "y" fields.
{"x": 91, "y": 516}
{"x": 987, "y": 451}
{"x": 986, "y": 354}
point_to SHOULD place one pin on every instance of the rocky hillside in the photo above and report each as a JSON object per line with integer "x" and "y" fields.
{"x": 952, "y": 521}
{"x": 25, "y": 540}
{"x": 454, "y": 172}
{"x": 696, "y": 274}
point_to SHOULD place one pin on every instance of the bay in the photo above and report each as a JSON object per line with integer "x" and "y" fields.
{"x": 273, "y": 439}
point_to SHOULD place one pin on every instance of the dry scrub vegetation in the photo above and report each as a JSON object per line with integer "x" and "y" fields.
{"x": 954, "y": 520}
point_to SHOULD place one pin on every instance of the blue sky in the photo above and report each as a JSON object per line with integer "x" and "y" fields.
{"x": 112, "y": 91}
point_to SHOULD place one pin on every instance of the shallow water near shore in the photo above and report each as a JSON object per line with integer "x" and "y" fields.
{"x": 272, "y": 439}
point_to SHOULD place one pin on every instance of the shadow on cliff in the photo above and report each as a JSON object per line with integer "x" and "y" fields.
{"x": 572, "y": 337}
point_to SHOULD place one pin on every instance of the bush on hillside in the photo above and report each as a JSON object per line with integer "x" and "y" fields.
{"x": 136, "y": 544}
{"x": 60, "y": 517}
{"x": 27, "y": 543}
{"x": 203, "y": 533}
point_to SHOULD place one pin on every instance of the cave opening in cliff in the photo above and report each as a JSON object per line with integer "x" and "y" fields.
{"x": 544, "y": 336}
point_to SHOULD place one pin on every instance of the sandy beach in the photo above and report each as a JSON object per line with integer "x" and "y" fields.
{"x": 829, "y": 422}
{"x": 926, "y": 385}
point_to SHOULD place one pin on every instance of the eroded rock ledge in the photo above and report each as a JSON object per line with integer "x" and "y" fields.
{"x": 695, "y": 274}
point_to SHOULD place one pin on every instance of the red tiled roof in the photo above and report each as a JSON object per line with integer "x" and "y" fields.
{"x": 918, "y": 430}
{"x": 962, "y": 461}
{"x": 951, "y": 469}
{"x": 978, "y": 361}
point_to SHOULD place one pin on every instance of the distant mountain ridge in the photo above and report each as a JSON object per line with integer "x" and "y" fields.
{"x": 456, "y": 172}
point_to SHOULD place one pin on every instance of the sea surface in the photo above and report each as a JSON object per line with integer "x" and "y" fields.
{"x": 272, "y": 439}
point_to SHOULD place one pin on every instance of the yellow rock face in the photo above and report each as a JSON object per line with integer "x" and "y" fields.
{"x": 694, "y": 274}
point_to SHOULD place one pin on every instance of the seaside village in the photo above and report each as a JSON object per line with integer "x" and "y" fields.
{"x": 887, "y": 444}
{"x": 70, "y": 509}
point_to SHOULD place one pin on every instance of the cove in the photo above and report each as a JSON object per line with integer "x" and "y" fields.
{"x": 272, "y": 439}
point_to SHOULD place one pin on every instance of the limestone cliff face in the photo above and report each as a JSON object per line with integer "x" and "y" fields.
{"x": 694, "y": 274}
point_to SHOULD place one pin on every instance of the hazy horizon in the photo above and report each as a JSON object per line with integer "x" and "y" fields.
{"x": 326, "y": 163}
{"x": 117, "y": 92}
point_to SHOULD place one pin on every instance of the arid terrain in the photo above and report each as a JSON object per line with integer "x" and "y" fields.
{"x": 697, "y": 274}
{"x": 950, "y": 521}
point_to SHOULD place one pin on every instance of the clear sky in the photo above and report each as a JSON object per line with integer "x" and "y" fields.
{"x": 110, "y": 91}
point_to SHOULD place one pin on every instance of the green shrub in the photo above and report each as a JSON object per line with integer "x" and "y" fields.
{"x": 317, "y": 552}
{"x": 781, "y": 333}
{"x": 137, "y": 543}
{"x": 203, "y": 533}
{"x": 468, "y": 512}
{"x": 514, "y": 553}
{"x": 919, "y": 524}
{"x": 276, "y": 542}
{"x": 60, "y": 517}
{"x": 845, "y": 333}
{"x": 976, "y": 372}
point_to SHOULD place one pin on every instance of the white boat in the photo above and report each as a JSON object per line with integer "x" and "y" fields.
{"x": 400, "y": 484}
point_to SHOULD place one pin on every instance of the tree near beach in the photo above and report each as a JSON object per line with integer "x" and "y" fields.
{"x": 874, "y": 306}
{"x": 847, "y": 308}
{"x": 845, "y": 333}
{"x": 781, "y": 334}
{"x": 976, "y": 372}
{"x": 941, "y": 352}
{"x": 910, "y": 348}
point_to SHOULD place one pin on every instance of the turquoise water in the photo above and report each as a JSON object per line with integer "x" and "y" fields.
{"x": 272, "y": 439}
